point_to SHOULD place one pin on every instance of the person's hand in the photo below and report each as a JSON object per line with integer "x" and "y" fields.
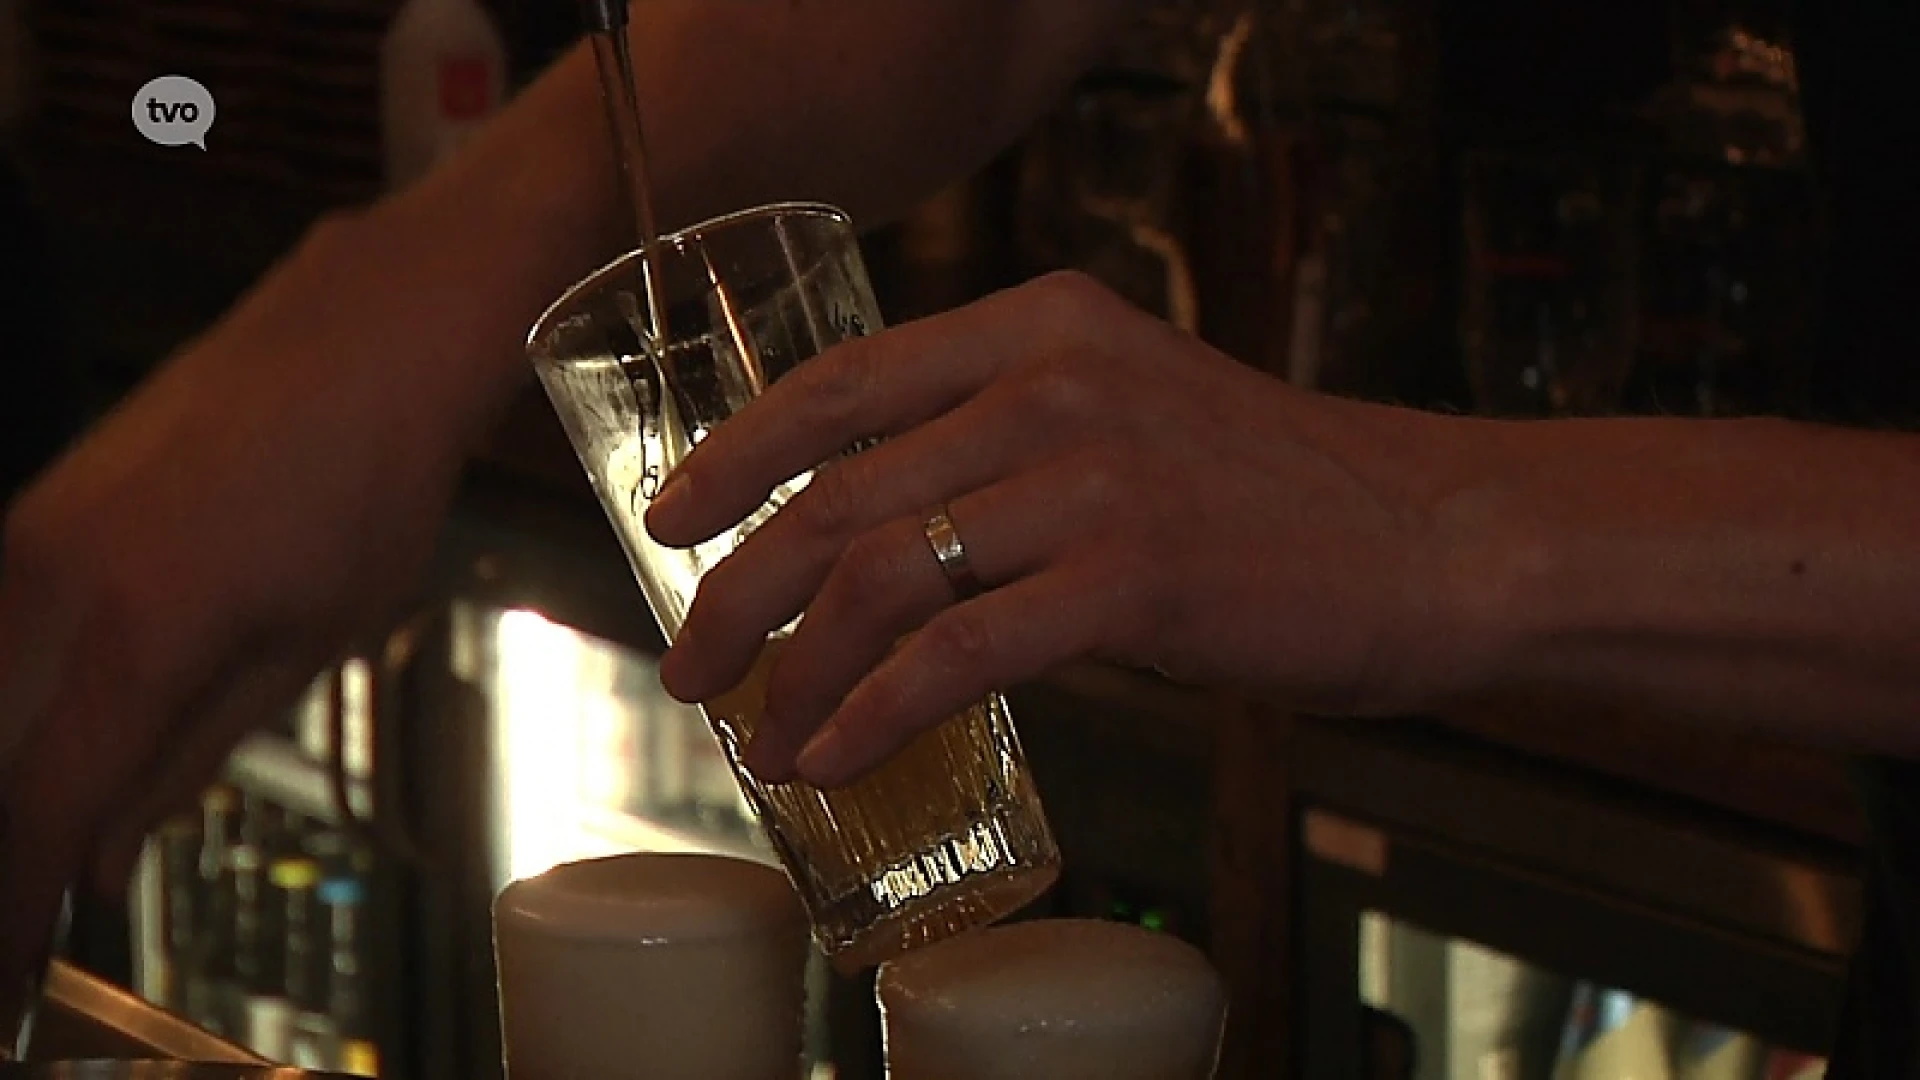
{"x": 181, "y": 574}
{"x": 1122, "y": 492}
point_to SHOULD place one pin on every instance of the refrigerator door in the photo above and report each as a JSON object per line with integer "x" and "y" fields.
{"x": 1442, "y": 1007}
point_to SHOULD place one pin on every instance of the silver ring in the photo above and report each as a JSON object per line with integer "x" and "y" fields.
{"x": 952, "y": 554}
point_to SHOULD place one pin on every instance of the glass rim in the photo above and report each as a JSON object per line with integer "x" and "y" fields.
{"x": 561, "y": 308}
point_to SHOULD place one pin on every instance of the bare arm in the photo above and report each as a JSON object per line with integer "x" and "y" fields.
{"x": 1741, "y": 572}
{"x": 1127, "y": 493}
{"x": 866, "y": 104}
{"x": 278, "y": 486}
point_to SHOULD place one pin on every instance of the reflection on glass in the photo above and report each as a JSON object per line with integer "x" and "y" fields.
{"x": 1473, "y": 1013}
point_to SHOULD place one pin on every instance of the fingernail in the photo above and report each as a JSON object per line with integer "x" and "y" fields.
{"x": 670, "y": 677}
{"x": 823, "y": 761}
{"x": 672, "y": 500}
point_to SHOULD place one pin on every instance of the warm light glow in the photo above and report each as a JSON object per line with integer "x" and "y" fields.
{"x": 566, "y": 722}
{"x": 537, "y": 694}
{"x": 356, "y": 717}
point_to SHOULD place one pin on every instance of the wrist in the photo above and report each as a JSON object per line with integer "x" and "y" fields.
{"x": 1481, "y": 568}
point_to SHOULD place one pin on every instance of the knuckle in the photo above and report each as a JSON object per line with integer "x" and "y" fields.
{"x": 1058, "y": 388}
{"x": 866, "y": 578}
{"x": 1103, "y": 479}
{"x": 887, "y": 698}
{"x": 838, "y": 384}
{"x": 1149, "y": 608}
{"x": 720, "y": 601}
{"x": 830, "y": 503}
{"x": 964, "y": 640}
{"x": 1074, "y": 294}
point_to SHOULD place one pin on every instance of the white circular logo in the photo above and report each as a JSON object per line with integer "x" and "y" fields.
{"x": 174, "y": 110}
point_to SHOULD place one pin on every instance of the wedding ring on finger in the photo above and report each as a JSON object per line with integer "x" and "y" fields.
{"x": 951, "y": 553}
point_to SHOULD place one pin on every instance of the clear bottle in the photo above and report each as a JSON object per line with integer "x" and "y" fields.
{"x": 443, "y": 72}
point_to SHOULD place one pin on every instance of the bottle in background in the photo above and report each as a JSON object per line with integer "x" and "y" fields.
{"x": 343, "y": 899}
{"x": 255, "y": 920}
{"x": 290, "y": 991}
{"x": 443, "y": 71}
{"x": 315, "y": 1036}
{"x": 211, "y": 977}
{"x": 178, "y": 841}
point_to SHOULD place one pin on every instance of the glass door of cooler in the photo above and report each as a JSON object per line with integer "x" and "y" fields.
{"x": 1461, "y": 912}
{"x": 1441, "y": 1007}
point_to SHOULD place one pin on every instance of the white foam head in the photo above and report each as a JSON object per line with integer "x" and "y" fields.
{"x": 1060, "y": 998}
{"x": 652, "y": 965}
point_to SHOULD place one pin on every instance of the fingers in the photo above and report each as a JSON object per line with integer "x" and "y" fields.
{"x": 1002, "y": 637}
{"x": 889, "y": 584}
{"x": 777, "y": 570}
{"x": 863, "y": 388}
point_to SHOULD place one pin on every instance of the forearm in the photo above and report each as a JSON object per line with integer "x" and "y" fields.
{"x": 1743, "y": 572}
{"x": 867, "y": 104}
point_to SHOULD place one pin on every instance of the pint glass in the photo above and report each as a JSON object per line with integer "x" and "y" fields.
{"x": 950, "y": 833}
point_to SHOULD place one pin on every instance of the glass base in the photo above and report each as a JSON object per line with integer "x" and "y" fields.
{"x": 962, "y": 882}
{"x": 974, "y": 903}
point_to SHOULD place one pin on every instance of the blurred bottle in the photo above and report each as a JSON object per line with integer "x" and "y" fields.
{"x": 1736, "y": 95}
{"x": 1309, "y": 178}
{"x": 314, "y": 1036}
{"x": 343, "y": 899}
{"x": 212, "y": 988}
{"x": 274, "y": 1008}
{"x": 1730, "y": 234}
{"x": 272, "y": 833}
{"x": 443, "y": 71}
{"x": 1612, "y": 1035}
{"x": 1550, "y": 318}
{"x": 256, "y": 916}
{"x": 178, "y": 842}
{"x": 1100, "y": 179}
